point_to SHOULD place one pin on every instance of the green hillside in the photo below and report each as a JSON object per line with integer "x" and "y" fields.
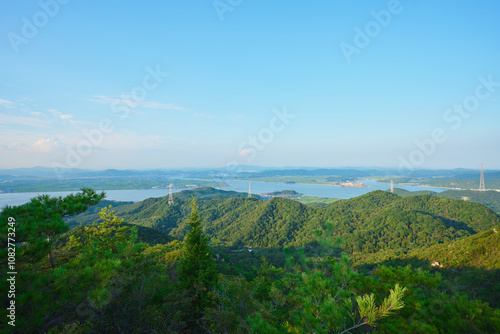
{"x": 144, "y": 234}
{"x": 154, "y": 212}
{"x": 91, "y": 215}
{"x": 469, "y": 266}
{"x": 480, "y": 251}
{"x": 489, "y": 198}
{"x": 423, "y": 264}
{"x": 406, "y": 193}
{"x": 370, "y": 223}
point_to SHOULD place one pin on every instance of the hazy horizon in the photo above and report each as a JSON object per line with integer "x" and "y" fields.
{"x": 246, "y": 168}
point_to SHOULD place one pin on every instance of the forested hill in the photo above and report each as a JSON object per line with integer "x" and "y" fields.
{"x": 479, "y": 251}
{"x": 489, "y": 198}
{"x": 469, "y": 266}
{"x": 432, "y": 262}
{"x": 155, "y": 212}
{"x": 376, "y": 221}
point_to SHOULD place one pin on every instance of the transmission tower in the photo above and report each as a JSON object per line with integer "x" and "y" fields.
{"x": 170, "y": 197}
{"x": 249, "y": 189}
{"x": 481, "y": 180}
{"x": 392, "y": 186}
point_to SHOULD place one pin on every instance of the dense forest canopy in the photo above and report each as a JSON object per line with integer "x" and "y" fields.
{"x": 220, "y": 262}
{"x": 368, "y": 223}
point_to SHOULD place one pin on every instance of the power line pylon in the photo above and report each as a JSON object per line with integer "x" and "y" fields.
{"x": 481, "y": 180}
{"x": 170, "y": 197}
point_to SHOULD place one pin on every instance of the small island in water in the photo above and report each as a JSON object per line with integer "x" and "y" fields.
{"x": 282, "y": 193}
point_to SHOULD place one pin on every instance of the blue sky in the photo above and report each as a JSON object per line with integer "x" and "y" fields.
{"x": 414, "y": 84}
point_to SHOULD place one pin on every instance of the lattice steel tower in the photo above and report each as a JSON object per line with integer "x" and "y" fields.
{"x": 481, "y": 180}
{"x": 170, "y": 197}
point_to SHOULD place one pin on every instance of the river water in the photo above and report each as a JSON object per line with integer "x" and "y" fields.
{"x": 315, "y": 190}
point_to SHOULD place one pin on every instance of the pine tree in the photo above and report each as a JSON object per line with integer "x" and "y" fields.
{"x": 39, "y": 220}
{"x": 196, "y": 269}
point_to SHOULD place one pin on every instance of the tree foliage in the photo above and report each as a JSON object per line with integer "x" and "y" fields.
{"x": 105, "y": 279}
{"x": 196, "y": 269}
{"x": 38, "y": 221}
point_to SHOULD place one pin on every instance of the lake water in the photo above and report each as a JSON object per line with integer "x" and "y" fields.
{"x": 136, "y": 195}
{"x": 317, "y": 190}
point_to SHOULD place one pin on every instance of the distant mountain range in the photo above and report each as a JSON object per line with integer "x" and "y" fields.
{"x": 244, "y": 171}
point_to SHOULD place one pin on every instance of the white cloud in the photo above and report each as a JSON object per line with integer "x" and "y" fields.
{"x": 43, "y": 145}
{"x": 129, "y": 102}
{"x": 17, "y": 146}
{"x": 47, "y": 144}
{"x": 244, "y": 153}
{"x": 19, "y": 120}
{"x": 7, "y": 104}
{"x": 59, "y": 114}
